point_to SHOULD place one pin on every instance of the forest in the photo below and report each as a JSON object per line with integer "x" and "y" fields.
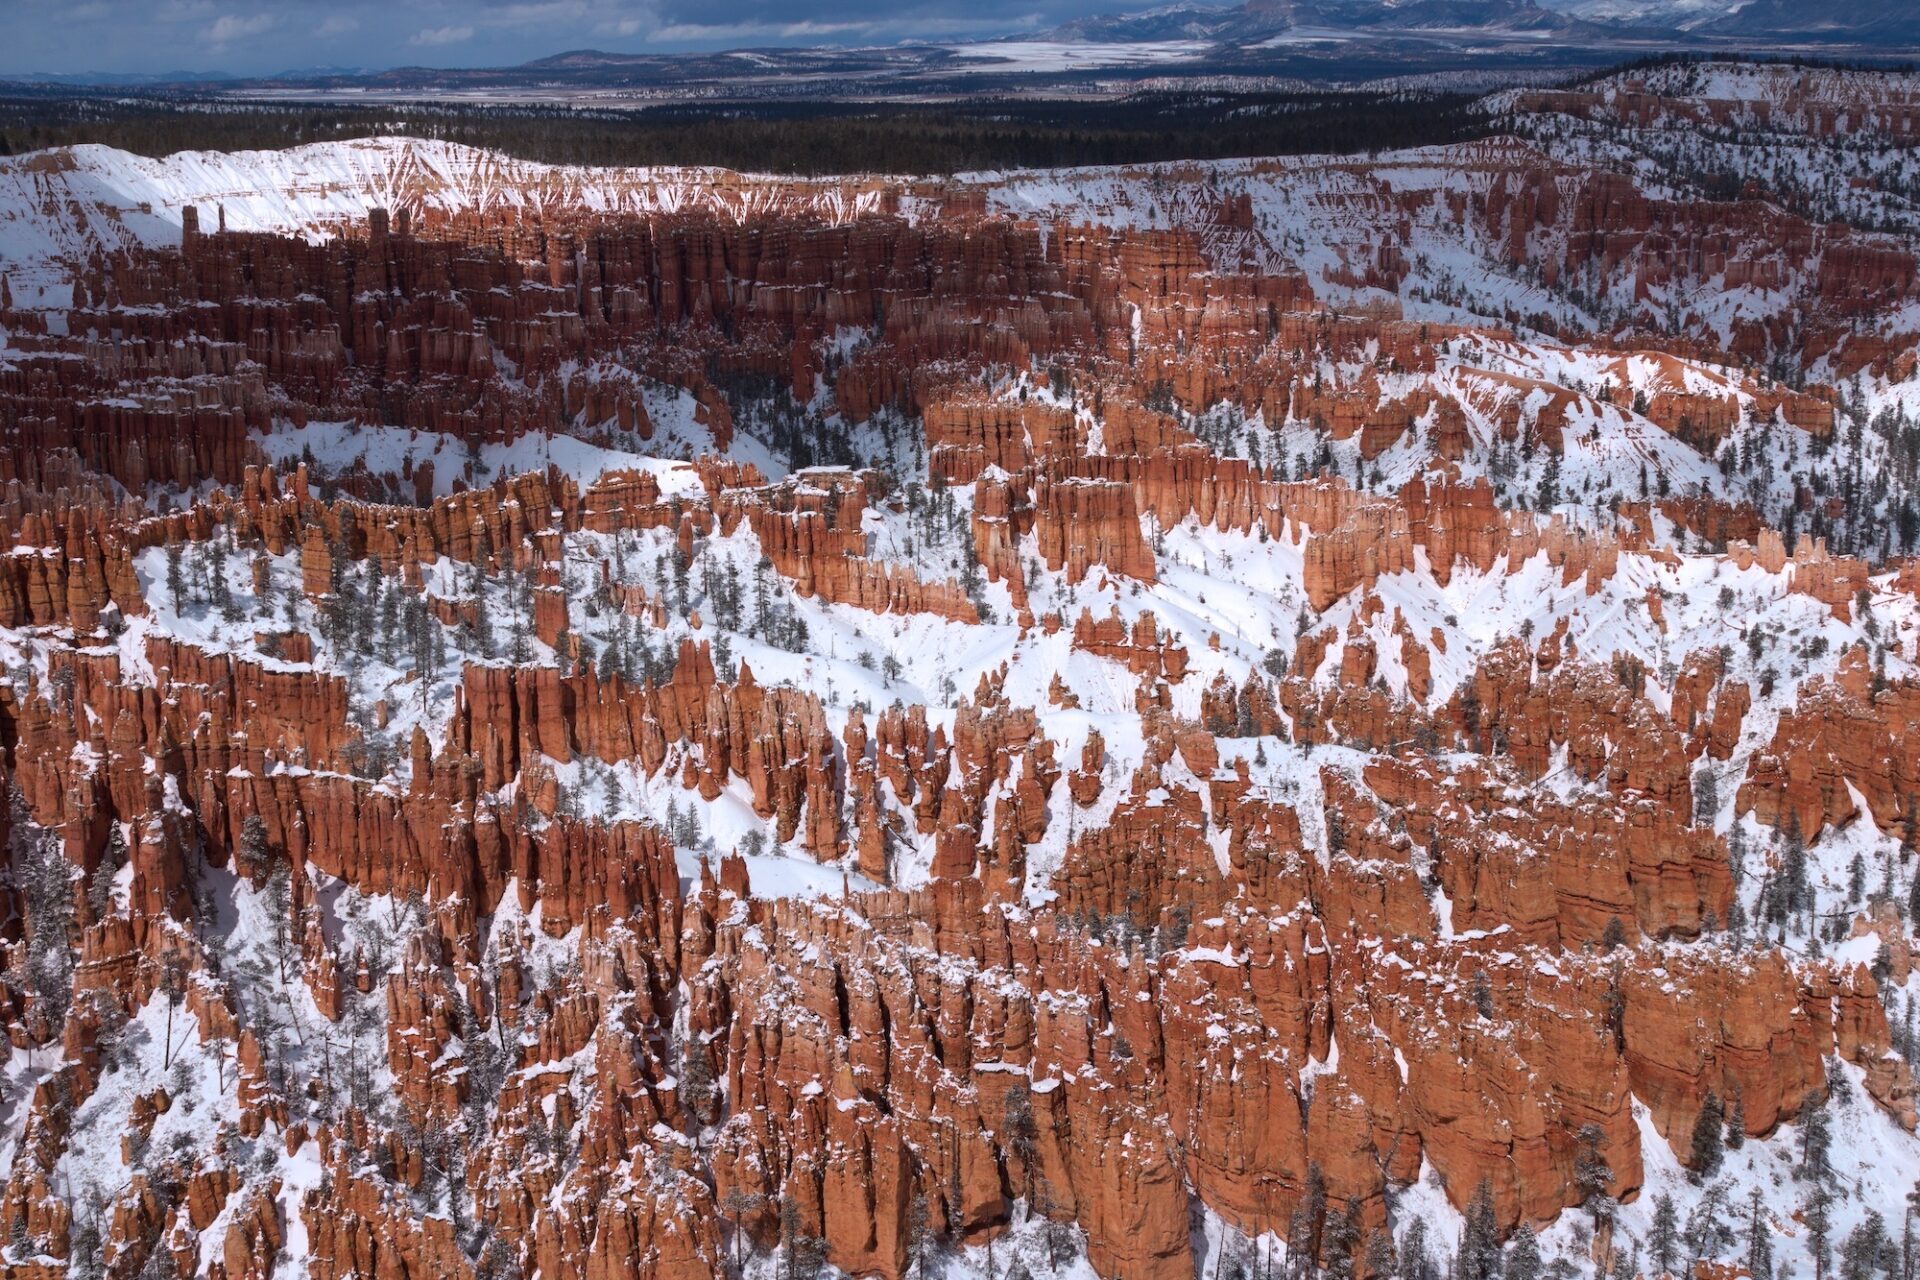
{"x": 783, "y": 137}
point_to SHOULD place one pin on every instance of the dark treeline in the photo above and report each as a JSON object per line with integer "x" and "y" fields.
{"x": 797, "y": 138}
{"x": 1681, "y": 58}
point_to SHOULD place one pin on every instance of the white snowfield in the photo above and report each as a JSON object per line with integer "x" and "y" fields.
{"x": 1069, "y": 55}
{"x": 68, "y": 203}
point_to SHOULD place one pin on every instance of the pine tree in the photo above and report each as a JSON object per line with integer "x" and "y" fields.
{"x": 1818, "y": 1216}
{"x": 1338, "y": 1241}
{"x": 263, "y": 585}
{"x": 176, "y": 574}
{"x": 1737, "y": 1121}
{"x": 1663, "y": 1243}
{"x": 1416, "y": 1263}
{"x": 1816, "y": 1139}
{"x": 220, "y": 591}
{"x": 256, "y": 853}
{"x": 1708, "y": 1136}
{"x": 46, "y": 880}
{"x": 1478, "y": 1257}
{"x": 696, "y": 1080}
{"x": 919, "y": 1231}
{"x": 1592, "y": 1175}
{"x": 1737, "y": 919}
{"x": 1799, "y": 893}
{"x": 114, "y": 857}
{"x": 1523, "y": 1256}
{"x": 1483, "y": 994}
{"x": 1310, "y": 1220}
{"x": 1868, "y": 1251}
{"x": 1548, "y": 495}
{"x": 1706, "y": 797}
{"x": 1759, "y": 1237}
{"x": 1907, "y": 1259}
{"x": 1380, "y": 1262}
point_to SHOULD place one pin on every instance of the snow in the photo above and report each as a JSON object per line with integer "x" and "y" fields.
{"x": 1064, "y": 55}
{"x": 68, "y": 202}
{"x": 339, "y": 447}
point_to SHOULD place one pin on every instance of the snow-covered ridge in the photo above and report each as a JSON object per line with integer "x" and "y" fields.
{"x": 72, "y": 201}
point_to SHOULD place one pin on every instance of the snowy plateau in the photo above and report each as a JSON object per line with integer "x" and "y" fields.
{"x": 1324, "y": 718}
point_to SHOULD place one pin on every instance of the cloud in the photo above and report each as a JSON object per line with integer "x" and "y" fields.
{"x": 436, "y": 36}
{"x": 708, "y": 22}
{"x": 623, "y": 27}
{"x": 229, "y": 27}
{"x": 703, "y": 31}
{"x": 528, "y": 15}
{"x": 264, "y": 37}
{"x": 184, "y": 10}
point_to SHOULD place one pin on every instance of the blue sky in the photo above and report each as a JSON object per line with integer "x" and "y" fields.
{"x": 143, "y": 36}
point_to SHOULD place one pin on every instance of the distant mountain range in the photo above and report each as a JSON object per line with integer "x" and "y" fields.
{"x": 1282, "y": 40}
{"x": 1859, "y": 22}
{"x": 1856, "y": 21}
{"x": 1267, "y": 19}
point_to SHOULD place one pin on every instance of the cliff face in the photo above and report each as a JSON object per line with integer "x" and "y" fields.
{"x": 588, "y": 739}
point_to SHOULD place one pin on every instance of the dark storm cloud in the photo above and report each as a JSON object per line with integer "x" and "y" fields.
{"x": 148, "y": 36}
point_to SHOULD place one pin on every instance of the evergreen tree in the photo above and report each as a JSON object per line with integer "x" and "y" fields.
{"x": 1592, "y": 1175}
{"x": 1380, "y": 1262}
{"x": 1816, "y": 1139}
{"x": 263, "y": 585}
{"x": 919, "y": 1229}
{"x": 1709, "y": 1232}
{"x": 1478, "y": 1257}
{"x": 1759, "y": 1237}
{"x": 176, "y": 574}
{"x": 1338, "y": 1241}
{"x": 1708, "y": 1136}
{"x": 1706, "y": 797}
{"x": 45, "y": 878}
{"x": 1416, "y": 1261}
{"x": 1799, "y": 893}
{"x": 1737, "y": 1121}
{"x": 1548, "y": 495}
{"x": 114, "y": 857}
{"x": 1310, "y": 1220}
{"x": 1663, "y": 1243}
{"x": 1868, "y": 1251}
{"x": 1907, "y": 1259}
{"x": 1523, "y": 1256}
{"x": 1737, "y": 920}
{"x": 1483, "y": 994}
{"x": 1818, "y": 1216}
{"x": 256, "y": 853}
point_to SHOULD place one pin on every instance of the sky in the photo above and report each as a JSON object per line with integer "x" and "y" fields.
{"x": 269, "y": 36}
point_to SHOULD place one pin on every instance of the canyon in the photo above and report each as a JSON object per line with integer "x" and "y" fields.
{"x": 1322, "y": 713}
